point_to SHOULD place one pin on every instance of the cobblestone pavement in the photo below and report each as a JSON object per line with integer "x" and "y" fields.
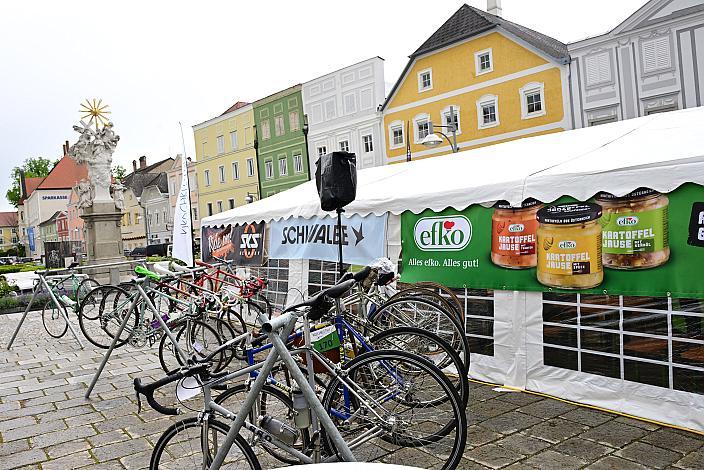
{"x": 46, "y": 423}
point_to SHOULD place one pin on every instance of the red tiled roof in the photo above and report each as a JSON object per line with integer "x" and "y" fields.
{"x": 8, "y": 219}
{"x": 238, "y": 105}
{"x": 65, "y": 175}
{"x": 32, "y": 182}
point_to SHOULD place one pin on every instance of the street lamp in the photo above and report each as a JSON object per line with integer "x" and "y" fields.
{"x": 250, "y": 198}
{"x": 432, "y": 140}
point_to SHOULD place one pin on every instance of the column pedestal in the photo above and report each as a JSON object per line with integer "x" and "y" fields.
{"x": 103, "y": 237}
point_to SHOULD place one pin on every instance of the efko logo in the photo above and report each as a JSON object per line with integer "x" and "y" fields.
{"x": 567, "y": 244}
{"x": 443, "y": 233}
{"x": 627, "y": 221}
{"x": 513, "y": 228}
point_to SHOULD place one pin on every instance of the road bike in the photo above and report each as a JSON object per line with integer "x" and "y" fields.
{"x": 66, "y": 293}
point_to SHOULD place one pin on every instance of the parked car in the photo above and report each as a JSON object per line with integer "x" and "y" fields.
{"x": 157, "y": 250}
{"x": 139, "y": 252}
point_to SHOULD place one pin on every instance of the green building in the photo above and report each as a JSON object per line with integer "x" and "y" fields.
{"x": 282, "y": 157}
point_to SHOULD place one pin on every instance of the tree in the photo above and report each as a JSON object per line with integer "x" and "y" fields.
{"x": 119, "y": 172}
{"x": 32, "y": 167}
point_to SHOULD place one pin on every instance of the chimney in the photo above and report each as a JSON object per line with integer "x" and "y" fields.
{"x": 134, "y": 165}
{"x": 66, "y": 147}
{"x": 493, "y": 7}
{"x": 142, "y": 162}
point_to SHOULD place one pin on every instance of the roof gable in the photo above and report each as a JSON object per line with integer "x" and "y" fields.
{"x": 658, "y": 11}
{"x": 64, "y": 175}
{"x": 234, "y": 107}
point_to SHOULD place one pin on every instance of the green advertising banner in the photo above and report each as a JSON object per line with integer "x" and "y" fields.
{"x": 645, "y": 244}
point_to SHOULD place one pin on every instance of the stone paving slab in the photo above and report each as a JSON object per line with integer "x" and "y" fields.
{"x": 45, "y": 423}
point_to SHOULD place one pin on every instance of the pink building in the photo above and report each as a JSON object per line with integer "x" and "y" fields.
{"x": 75, "y": 224}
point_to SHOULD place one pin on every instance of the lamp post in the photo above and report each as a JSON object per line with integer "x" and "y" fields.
{"x": 433, "y": 140}
{"x": 305, "y": 138}
{"x": 250, "y": 198}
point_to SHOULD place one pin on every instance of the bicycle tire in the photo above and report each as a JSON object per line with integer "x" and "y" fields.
{"x": 444, "y": 290}
{"x": 235, "y": 321}
{"x": 106, "y": 305}
{"x": 398, "y": 338}
{"x": 84, "y": 288}
{"x": 178, "y": 329}
{"x": 54, "y": 322}
{"x": 388, "y": 315}
{"x": 158, "y": 462}
{"x": 265, "y": 409}
{"x": 448, "y": 440}
{"x": 430, "y": 295}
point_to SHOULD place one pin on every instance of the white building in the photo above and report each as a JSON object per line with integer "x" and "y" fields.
{"x": 342, "y": 113}
{"x": 650, "y": 63}
{"x": 157, "y": 209}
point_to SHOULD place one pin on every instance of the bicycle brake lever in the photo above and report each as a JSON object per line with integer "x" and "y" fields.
{"x": 139, "y": 403}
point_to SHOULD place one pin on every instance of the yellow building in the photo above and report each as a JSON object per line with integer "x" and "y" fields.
{"x": 9, "y": 233}
{"x": 503, "y": 81}
{"x": 226, "y": 160}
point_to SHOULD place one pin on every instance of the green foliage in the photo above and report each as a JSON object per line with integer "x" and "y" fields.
{"x": 19, "y": 302}
{"x": 33, "y": 167}
{"x": 6, "y": 288}
{"x": 19, "y": 268}
{"x": 154, "y": 259}
{"x": 119, "y": 172}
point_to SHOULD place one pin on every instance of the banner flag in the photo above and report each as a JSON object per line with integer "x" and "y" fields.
{"x": 363, "y": 239}
{"x": 183, "y": 225}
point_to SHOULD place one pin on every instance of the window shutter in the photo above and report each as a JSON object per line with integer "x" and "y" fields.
{"x": 598, "y": 68}
{"x": 656, "y": 54}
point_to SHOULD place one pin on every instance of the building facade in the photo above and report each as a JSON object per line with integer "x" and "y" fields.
{"x": 133, "y": 228}
{"x": 226, "y": 162}
{"x": 652, "y": 62}
{"x": 55, "y": 228}
{"x": 342, "y": 110}
{"x": 174, "y": 179}
{"x": 157, "y": 210}
{"x": 75, "y": 224}
{"x": 502, "y": 80}
{"x": 9, "y": 230}
{"x": 282, "y": 156}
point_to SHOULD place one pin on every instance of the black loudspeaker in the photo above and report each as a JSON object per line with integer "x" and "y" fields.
{"x": 336, "y": 179}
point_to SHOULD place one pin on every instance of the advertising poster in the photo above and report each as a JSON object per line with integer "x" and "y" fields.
{"x": 363, "y": 239}
{"x": 243, "y": 244}
{"x": 645, "y": 244}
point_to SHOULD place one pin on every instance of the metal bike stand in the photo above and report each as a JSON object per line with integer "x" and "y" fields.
{"x": 42, "y": 284}
{"x": 108, "y": 353}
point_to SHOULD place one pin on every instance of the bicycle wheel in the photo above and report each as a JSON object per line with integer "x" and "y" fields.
{"x": 84, "y": 288}
{"x": 274, "y": 403}
{"x": 101, "y": 314}
{"x": 420, "y": 313}
{"x": 431, "y": 347}
{"x": 399, "y": 417}
{"x": 193, "y": 337}
{"x": 226, "y": 333}
{"x": 54, "y": 322}
{"x": 193, "y": 443}
{"x": 429, "y": 295}
{"x": 445, "y": 292}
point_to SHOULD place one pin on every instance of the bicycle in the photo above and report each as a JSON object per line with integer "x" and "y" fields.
{"x": 66, "y": 292}
{"x": 383, "y": 413}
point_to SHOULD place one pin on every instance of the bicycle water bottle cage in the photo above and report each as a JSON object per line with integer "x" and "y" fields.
{"x": 141, "y": 271}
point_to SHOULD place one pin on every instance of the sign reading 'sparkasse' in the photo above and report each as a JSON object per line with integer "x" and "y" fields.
{"x": 653, "y": 252}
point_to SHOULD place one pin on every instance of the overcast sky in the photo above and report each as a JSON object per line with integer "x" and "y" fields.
{"x": 160, "y": 62}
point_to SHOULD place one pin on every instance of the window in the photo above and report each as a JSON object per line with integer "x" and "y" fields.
{"x": 532, "y": 100}
{"x": 656, "y": 54}
{"x": 266, "y": 131}
{"x": 483, "y": 61}
{"x": 321, "y": 150}
{"x": 279, "y": 125}
{"x": 422, "y": 125}
{"x": 488, "y": 111}
{"x": 604, "y": 120}
{"x": 235, "y": 170}
{"x": 204, "y": 145}
{"x": 232, "y": 203}
{"x": 210, "y": 208}
{"x": 195, "y": 213}
{"x": 298, "y": 163}
{"x": 156, "y": 214}
{"x": 269, "y": 169}
{"x": 367, "y": 143}
{"x": 221, "y": 172}
{"x": 137, "y": 218}
{"x": 233, "y": 140}
{"x": 396, "y": 136}
{"x": 425, "y": 80}
{"x": 453, "y": 118}
{"x": 598, "y": 68}
{"x": 293, "y": 122}
{"x": 350, "y": 103}
{"x": 206, "y": 175}
{"x": 219, "y": 206}
{"x": 344, "y": 145}
{"x": 221, "y": 144}
{"x": 330, "y": 111}
{"x": 283, "y": 167}
{"x": 250, "y": 167}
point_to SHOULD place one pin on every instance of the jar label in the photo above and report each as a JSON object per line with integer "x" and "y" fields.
{"x": 627, "y": 233}
{"x": 514, "y": 237}
{"x": 578, "y": 254}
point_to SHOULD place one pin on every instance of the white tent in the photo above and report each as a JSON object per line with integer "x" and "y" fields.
{"x": 660, "y": 151}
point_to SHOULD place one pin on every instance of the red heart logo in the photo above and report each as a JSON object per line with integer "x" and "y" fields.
{"x": 448, "y": 224}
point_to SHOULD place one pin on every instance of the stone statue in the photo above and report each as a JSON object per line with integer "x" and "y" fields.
{"x": 118, "y": 195}
{"x": 95, "y": 149}
{"x": 85, "y": 194}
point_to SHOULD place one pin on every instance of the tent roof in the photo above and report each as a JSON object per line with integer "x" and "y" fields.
{"x": 661, "y": 151}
